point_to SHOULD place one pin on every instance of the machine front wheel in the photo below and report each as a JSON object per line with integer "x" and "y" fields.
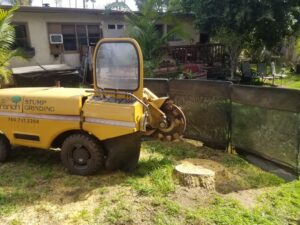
{"x": 4, "y": 148}
{"x": 82, "y": 154}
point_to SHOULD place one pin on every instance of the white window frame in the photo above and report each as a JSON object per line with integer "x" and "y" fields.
{"x": 116, "y": 26}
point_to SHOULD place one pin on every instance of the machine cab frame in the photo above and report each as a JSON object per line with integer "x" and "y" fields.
{"x": 118, "y": 67}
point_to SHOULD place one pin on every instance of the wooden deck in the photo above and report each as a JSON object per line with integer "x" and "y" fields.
{"x": 200, "y": 53}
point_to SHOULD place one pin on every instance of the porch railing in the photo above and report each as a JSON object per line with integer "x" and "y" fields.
{"x": 200, "y": 53}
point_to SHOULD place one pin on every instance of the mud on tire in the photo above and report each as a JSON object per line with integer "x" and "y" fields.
{"x": 82, "y": 154}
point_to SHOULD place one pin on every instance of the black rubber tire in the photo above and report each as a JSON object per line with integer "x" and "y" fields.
{"x": 96, "y": 159}
{"x": 5, "y": 148}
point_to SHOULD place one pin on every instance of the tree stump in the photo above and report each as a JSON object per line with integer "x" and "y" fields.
{"x": 190, "y": 175}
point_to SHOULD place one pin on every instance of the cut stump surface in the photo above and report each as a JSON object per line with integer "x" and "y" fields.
{"x": 192, "y": 176}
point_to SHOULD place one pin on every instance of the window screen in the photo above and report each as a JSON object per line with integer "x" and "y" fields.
{"x": 111, "y": 26}
{"x": 120, "y": 26}
{"x": 117, "y": 66}
{"x": 94, "y": 34}
{"x": 21, "y": 40}
{"x": 77, "y": 36}
{"x": 81, "y": 35}
{"x": 69, "y": 36}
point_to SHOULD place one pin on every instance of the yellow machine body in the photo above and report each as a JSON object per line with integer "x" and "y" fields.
{"x": 110, "y": 117}
{"x": 35, "y": 117}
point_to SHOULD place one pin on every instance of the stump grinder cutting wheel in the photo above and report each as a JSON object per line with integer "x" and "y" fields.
{"x": 169, "y": 122}
{"x": 176, "y": 123}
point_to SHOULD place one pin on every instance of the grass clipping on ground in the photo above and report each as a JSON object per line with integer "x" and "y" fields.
{"x": 35, "y": 189}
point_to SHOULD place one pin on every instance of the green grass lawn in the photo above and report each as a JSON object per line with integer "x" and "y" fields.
{"x": 292, "y": 81}
{"x": 36, "y": 189}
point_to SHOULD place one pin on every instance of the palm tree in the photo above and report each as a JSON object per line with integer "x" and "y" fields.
{"x": 93, "y": 2}
{"x": 158, "y": 5}
{"x": 20, "y": 2}
{"x": 57, "y": 3}
{"x": 7, "y": 39}
{"x": 143, "y": 28}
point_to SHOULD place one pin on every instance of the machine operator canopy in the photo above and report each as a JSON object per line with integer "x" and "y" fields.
{"x": 117, "y": 66}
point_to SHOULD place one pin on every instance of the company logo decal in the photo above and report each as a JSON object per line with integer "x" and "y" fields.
{"x": 16, "y": 99}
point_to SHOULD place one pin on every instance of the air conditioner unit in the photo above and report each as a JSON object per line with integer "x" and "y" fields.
{"x": 56, "y": 39}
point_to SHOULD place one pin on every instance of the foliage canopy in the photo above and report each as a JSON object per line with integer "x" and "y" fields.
{"x": 241, "y": 24}
{"x": 7, "y": 39}
{"x": 143, "y": 28}
{"x": 162, "y": 5}
{"x": 120, "y": 6}
{"x": 20, "y": 2}
{"x": 263, "y": 21}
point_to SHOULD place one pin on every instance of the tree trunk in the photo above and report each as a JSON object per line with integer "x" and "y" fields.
{"x": 192, "y": 176}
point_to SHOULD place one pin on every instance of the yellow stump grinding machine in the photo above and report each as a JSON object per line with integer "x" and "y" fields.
{"x": 95, "y": 128}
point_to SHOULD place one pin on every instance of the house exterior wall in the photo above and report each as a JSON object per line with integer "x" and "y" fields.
{"x": 37, "y": 27}
{"x": 191, "y": 33}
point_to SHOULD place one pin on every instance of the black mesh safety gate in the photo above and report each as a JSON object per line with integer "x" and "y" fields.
{"x": 260, "y": 120}
{"x": 206, "y": 105}
{"x": 266, "y": 121}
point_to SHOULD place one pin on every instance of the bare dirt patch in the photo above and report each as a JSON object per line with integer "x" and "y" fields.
{"x": 248, "y": 198}
{"x": 191, "y": 197}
